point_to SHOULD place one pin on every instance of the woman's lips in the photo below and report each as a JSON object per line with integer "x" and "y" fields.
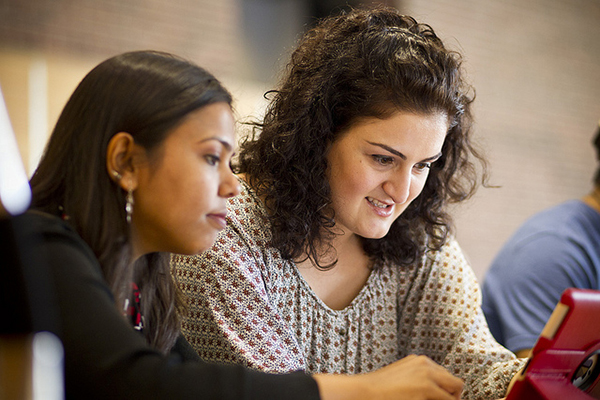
{"x": 380, "y": 208}
{"x": 219, "y": 219}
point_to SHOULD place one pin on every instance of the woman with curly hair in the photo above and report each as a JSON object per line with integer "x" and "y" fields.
{"x": 338, "y": 255}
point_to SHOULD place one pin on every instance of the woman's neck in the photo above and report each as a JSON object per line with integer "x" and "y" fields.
{"x": 338, "y": 286}
{"x": 137, "y": 247}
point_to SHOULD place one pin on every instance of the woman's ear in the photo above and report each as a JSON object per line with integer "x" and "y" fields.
{"x": 121, "y": 160}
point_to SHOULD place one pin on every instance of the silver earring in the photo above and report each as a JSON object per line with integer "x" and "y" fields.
{"x": 117, "y": 175}
{"x": 129, "y": 205}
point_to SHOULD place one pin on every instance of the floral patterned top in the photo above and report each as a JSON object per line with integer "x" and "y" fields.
{"x": 248, "y": 305}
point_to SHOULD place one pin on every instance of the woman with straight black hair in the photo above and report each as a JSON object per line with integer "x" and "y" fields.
{"x": 137, "y": 166}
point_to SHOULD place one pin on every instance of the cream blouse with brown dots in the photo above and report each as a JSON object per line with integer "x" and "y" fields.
{"x": 249, "y": 306}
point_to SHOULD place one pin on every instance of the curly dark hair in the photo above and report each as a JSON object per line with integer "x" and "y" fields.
{"x": 364, "y": 63}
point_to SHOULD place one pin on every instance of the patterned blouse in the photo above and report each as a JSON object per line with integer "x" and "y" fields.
{"x": 248, "y": 305}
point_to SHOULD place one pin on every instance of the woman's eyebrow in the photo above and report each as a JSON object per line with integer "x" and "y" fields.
{"x": 434, "y": 158}
{"x": 225, "y": 143}
{"x": 388, "y": 148}
{"x": 399, "y": 154}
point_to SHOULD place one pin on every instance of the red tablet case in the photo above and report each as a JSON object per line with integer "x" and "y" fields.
{"x": 567, "y": 351}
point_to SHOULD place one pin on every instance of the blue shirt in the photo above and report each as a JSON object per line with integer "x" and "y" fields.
{"x": 555, "y": 249}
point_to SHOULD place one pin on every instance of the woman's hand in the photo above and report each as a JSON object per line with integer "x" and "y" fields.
{"x": 413, "y": 377}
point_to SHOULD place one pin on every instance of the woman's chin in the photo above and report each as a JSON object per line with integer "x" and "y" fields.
{"x": 196, "y": 248}
{"x": 376, "y": 235}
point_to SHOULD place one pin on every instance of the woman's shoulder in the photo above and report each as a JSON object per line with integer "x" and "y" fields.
{"x": 42, "y": 224}
{"x": 45, "y": 230}
{"x": 446, "y": 252}
{"x": 449, "y": 263}
{"x": 447, "y": 257}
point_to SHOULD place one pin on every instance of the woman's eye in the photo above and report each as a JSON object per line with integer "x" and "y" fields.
{"x": 383, "y": 160}
{"x": 422, "y": 166}
{"x": 211, "y": 159}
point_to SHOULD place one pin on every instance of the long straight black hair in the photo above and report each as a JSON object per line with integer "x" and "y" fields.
{"x": 146, "y": 94}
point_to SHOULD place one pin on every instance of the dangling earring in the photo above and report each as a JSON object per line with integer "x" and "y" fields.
{"x": 128, "y": 198}
{"x": 129, "y": 205}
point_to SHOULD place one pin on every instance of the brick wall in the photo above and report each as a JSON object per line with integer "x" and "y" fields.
{"x": 203, "y": 30}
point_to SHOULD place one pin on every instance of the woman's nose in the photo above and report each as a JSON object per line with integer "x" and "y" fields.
{"x": 230, "y": 185}
{"x": 397, "y": 186}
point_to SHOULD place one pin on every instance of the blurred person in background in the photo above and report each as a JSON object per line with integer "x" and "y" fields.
{"x": 555, "y": 249}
